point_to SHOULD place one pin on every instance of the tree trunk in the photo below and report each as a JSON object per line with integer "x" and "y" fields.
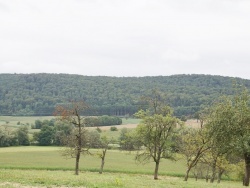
{"x": 103, "y": 160}
{"x": 156, "y": 170}
{"x": 207, "y": 174}
{"x": 219, "y": 175}
{"x": 247, "y": 170}
{"x": 102, "y": 165}
{"x": 213, "y": 173}
{"x": 194, "y": 162}
{"x": 196, "y": 177}
{"x": 187, "y": 173}
{"x": 77, "y": 163}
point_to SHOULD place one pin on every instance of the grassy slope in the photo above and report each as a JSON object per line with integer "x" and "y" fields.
{"x": 37, "y": 157}
{"x": 35, "y": 165}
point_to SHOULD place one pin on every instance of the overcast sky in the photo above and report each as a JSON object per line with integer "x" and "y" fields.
{"x": 125, "y": 37}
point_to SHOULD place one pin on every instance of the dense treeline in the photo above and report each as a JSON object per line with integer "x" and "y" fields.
{"x": 38, "y": 94}
{"x": 103, "y": 121}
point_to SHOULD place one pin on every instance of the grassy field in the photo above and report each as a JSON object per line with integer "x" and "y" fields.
{"x": 94, "y": 180}
{"x": 49, "y": 158}
{"x": 33, "y": 166}
{"x": 12, "y": 120}
{"x": 44, "y": 166}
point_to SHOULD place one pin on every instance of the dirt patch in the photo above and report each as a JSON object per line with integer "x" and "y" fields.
{"x": 192, "y": 123}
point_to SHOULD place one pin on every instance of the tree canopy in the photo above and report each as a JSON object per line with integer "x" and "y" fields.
{"x": 229, "y": 126}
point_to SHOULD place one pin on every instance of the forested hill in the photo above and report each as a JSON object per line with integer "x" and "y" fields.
{"x": 38, "y": 94}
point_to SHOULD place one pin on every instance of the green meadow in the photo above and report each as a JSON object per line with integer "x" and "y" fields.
{"x": 13, "y": 120}
{"x": 49, "y": 158}
{"x": 44, "y": 166}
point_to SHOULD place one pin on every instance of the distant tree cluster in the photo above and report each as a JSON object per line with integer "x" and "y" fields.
{"x": 102, "y": 121}
{"x": 10, "y": 137}
{"x": 39, "y": 124}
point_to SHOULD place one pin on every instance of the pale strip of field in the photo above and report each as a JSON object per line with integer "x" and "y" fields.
{"x": 127, "y": 123}
{"x": 192, "y": 123}
{"x": 129, "y": 126}
{"x": 189, "y": 123}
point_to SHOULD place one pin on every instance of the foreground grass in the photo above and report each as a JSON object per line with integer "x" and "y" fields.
{"x": 95, "y": 180}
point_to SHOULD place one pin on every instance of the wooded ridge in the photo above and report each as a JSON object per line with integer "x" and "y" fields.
{"x": 38, "y": 94}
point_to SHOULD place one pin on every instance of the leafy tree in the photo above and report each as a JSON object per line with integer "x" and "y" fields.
{"x": 7, "y": 137}
{"x": 104, "y": 145}
{"x": 192, "y": 144}
{"x": 38, "y": 124}
{"x": 62, "y": 131}
{"x": 46, "y": 136}
{"x": 77, "y": 142}
{"x": 22, "y": 136}
{"x": 94, "y": 139}
{"x": 229, "y": 127}
{"x": 155, "y": 133}
{"x": 127, "y": 139}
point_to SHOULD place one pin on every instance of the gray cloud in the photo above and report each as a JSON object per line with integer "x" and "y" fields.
{"x": 125, "y": 38}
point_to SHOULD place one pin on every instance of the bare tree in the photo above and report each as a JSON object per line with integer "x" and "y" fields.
{"x": 193, "y": 143}
{"x": 105, "y": 141}
{"x": 77, "y": 143}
